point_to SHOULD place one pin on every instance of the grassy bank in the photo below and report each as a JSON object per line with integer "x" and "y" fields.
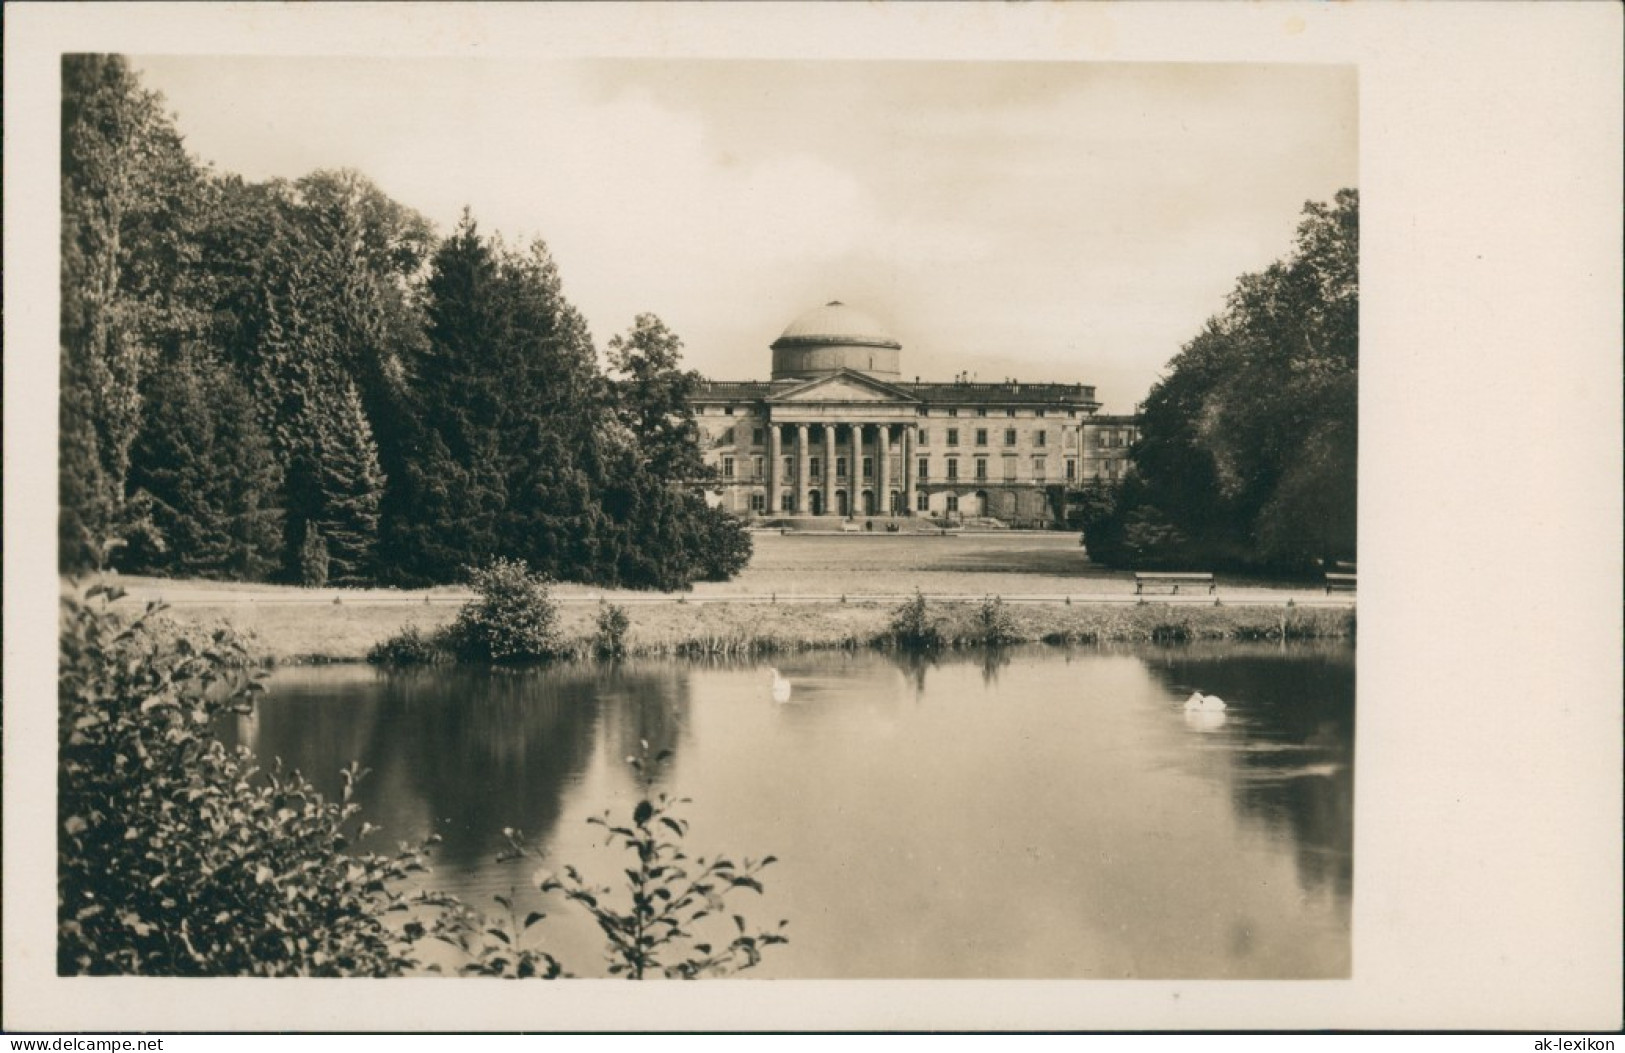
{"x": 288, "y": 633}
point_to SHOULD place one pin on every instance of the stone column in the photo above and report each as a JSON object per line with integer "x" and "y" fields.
{"x": 882, "y": 476}
{"x": 801, "y": 470}
{"x": 908, "y": 469}
{"x": 829, "y": 469}
{"x": 854, "y": 474}
{"x": 772, "y": 468}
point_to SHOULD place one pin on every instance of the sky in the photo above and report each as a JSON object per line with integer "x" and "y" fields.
{"x": 1044, "y": 221}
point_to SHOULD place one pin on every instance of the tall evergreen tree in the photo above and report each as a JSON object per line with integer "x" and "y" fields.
{"x": 338, "y": 484}
{"x": 508, "y": 403}
{"x": 208, "y": 477}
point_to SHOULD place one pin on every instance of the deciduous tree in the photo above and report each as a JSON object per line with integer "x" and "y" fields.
{"x": 1248, "y": 446}
{"x": 129, "y": 201}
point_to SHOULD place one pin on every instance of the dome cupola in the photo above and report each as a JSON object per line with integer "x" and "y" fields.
{"x": 831, "y": 338}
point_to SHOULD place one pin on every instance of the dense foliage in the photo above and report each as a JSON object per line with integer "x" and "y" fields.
{"x": 178, "y": 856}
{"x": 913, "y": 628}
{"x": 251, "y": 368}
{"x": 1247, "y": 449}
{"x": 511, "y": 618}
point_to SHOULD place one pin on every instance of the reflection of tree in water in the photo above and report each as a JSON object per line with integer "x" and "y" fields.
{"x": 487, "y": 748}
{"x": 647, "y": 704}
{"x": 993, "y": 660}
{"x": 465, "y": 752}
{"x": 1292, "y": 713}
{"x": 914, "y": 665}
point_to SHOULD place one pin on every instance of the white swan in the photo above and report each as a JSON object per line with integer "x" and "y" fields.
{"x": 1205, "y": 703}
{"x": 781, "y": 686}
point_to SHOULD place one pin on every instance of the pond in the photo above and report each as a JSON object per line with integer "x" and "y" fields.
{"x": 1037, "y": 812}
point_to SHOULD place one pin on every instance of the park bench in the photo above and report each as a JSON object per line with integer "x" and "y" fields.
{"x": 850, "y": 526}
{"x": 1144, "y": 578}
{"x": 1340, "y": 580}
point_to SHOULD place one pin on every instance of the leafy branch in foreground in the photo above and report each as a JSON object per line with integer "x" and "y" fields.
{"x": 179, "y": 857}
{"x": 654, "y": 931}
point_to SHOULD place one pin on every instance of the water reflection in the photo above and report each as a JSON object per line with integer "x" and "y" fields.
{"x": 465, "y": 753}
{"x": 1293, "y": 748}
{"x": 1026, "y": 812}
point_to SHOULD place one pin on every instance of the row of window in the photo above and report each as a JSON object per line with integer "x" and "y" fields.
{"x": 1040, "y": 438}
{"x": 815, "y": 468}
{"x": 981, "y": 411}
{"x": 922, "y": 503}
{"x": 1011, "y": 437}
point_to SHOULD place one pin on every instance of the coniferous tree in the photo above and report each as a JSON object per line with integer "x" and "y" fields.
{"x": 448, "y": 495}
{"x": 313, "y": 562}
{"x": 346, "y": 486}
{"x": 508, "y": 404}
{"x": 208, "y": 478}
{"x": 240, "y": 359}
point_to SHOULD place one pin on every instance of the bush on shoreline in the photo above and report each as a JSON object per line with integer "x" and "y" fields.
{"x": 511, "y": 619}
{"x": 922, "y": 625}
{"x": 912, "y": 626}
{"x": 412, "y": 646}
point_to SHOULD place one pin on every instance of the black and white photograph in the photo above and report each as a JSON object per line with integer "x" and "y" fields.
{"x": 658, "y": 508}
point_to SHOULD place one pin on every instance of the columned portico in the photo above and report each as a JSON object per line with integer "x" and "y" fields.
{"x": 829, "y": 470}
{"x": 802, "y": 505}
{"x": 854, "y": 473}
{"x": 908, "y": 469}
{"x": 773, "y": 469}
{"x": 883, "y": 469}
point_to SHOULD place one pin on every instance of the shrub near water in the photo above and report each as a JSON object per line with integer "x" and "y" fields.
{"x": 996, "y": 625}
{"x": 410, "y": 646}
{"x": 511, "y": 619}
{"x": 912, "y": 626}
{"x": 613, "y": 626}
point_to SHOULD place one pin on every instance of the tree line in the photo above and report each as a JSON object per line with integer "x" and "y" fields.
{"x": 1247, "y": 449}
{"x": 297, "y": 380}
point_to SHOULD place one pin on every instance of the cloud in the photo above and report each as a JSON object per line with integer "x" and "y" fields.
{"x": 1052, "y": 217}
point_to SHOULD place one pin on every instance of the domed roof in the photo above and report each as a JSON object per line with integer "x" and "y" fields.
{"x": 835, "y": 323}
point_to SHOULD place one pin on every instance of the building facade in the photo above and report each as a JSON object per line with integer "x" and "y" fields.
{"x": 837, "y": 433}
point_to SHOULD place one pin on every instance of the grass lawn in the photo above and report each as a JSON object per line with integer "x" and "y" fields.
{"x": 342, "y": 624}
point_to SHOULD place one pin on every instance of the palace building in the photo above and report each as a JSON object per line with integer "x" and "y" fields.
{"x": 838, "y": 433}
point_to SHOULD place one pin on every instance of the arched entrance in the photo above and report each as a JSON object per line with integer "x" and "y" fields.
{"x": 897, "y": 507}
{"x": 815, "y": 503}
{"x": 868, "y": 502}
{"x": 840, "y": 503}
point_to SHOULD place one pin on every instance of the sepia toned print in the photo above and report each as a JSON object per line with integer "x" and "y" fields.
{"x": 296, "y": 383}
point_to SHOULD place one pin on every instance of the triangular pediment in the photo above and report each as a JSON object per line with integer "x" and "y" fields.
{"x": 845, "y": 386}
